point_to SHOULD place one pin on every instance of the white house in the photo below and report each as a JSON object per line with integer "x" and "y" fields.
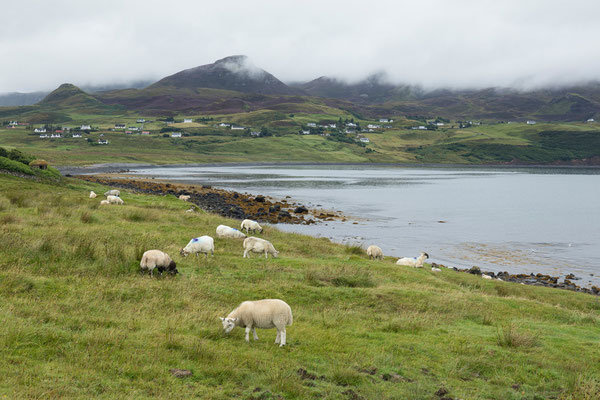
{"x": 364, "y": 140}
{"x": 306, "y": 132}
{"x": 351, "y": 125}
{"x": 76, "y": 135}
{"x": 85, "y": 127}
{"x": 13, "y": 123}
{"x": 119, "y": 126}
{"x": 439, "y": 124}
{"x": 133, "y": 128}
{"x": 531, "y": 122}
{"x": 311, "y": 125}
{"x": 187, "y": 120}
{"x": 102, "y": 141}
{"x": 237, "y": 128}
{"x": 40, "y": 130}
{"x": 141, "y": 120}
{"x": 44, "y": 136}
{"x": 176, "y": 134}
{"x": 591, "y": 120}
{"x": 255, "y": 133}
{"x": 373, "y": 126}
{"x": 333, "y": 126}
{"x": 224, "y": 125}
{"x": 385, "y": 120}
{"x": 55, "y": 135}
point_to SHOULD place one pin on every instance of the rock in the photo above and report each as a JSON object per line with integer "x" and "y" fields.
{"x": 304, "y": 374}
{"x": 180, "y": 373}
{"x": 284, "y": 214}
{"x": 474, "y": 270}
{"x": 274, "y": 208}
{"x": 300, "y": 210}
{"x": 259, "y": 199}
{"x": 441, "y": 392}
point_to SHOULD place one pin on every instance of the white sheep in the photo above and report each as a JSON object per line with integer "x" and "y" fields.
{"x": 375, "y": 252}
{"x": 484, "y": 276}
{"x": 416, "y": 262}
{"x": 250, "y": 225}
{"x": 157, "y": 259}
{"x": 202, "y": 244}
{"x": 434, "y": 269}
{"x": 263, "y": 314}
{"x": 114, "y": 199}
{"x": 191, "y": 210}
{"x": 257, "y": 245}
{"x": 184, "y": 197}
{"x": 104, "y": 202}
{"x": 113, "y": 192}
{"x": 93, "y": 195}
{"x": 224, "y": 231}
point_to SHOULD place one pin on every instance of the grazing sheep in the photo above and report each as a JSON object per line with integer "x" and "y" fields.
{"x": 93, "y": 195}
{"x": 104, "y": 202}
{"x": 263, "y": 314}
{"x": 191, "y": 210}
{"x": 416, "y": 262}
{"x": 114, "y": 200}
{"x": 250, "y": 225}
{"x": 113, "y": 192}
{"x": 375, "y": 252}
{"x": 484, "y": 276}
{"x": 224, "y": 231}
{"x": 184, "y": 197}
{"x": 202, "y": 244}
{"x": 257, "y": 245}
{"x": 157, "y": 259}
{"x": 434, "y": 269}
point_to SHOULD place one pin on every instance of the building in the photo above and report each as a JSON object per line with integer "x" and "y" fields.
{"x": 40, "y": 130}
{"x": 255, "y": 133}
{"x": 306, "y": 132}
{"x": 145, "y": 132}
{"x": 43, "y": 136}
{"x": 364, "y": 140}
{"x": 439, "y": 124}
{"x": 187, "y": 120}
{"x": 385, "y": 120}
{"x": 55, "y": 135}
{"x": 128, "y": 132}
{"x": 224, "y": 125}
{"x": 76, "y": 135}
{"x": 85, "y": 127}
{"x": 311, "y": 125}
{"x": 373, "y": 126}
{"x": 133, "y": 128}
{"x": 237, "y": 128}
{"x": 175, "y": 134}
{"x": 531, "y": 122}
{"x": 102, "y": 141}
{"x": 351, "y": 125}
{"x": 119, "y": 126}
{"x": 141, "y": 120}
{"x": 332, "y": 126}
{"x": 591, "y": 120}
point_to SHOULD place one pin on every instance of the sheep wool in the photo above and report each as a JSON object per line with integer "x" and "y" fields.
{"x": 156, "y": 259}
{"x": 262, "y": 314}
{"x": 93, "y": 195}
{"x": 257, "y": 245}
{"x": 224, "y": 231}
{"x": 375, "y": 252}
{"x": 202, "y": 244}
{"x": 250, "y": 225}
{"x": 416, "y": 262}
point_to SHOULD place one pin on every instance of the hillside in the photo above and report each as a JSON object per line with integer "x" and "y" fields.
{"x": 234, "y": 73}
{"x": 79, "y": 321}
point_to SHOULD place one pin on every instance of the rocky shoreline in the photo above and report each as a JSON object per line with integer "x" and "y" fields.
{"x": 530, "y": 279}
{"x": 223, "y": 202}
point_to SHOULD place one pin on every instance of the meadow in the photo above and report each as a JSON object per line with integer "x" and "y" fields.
{"x": 80, "y": 321}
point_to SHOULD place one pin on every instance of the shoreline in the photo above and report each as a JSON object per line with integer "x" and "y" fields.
{"x": 125, "y": 167}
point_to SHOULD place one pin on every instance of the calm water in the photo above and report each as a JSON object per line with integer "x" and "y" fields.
{"x": 519, "y": 220}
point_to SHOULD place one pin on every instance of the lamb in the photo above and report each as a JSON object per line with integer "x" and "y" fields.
{"x": 93, "y": 195}
{"x": 114, "y": 199}
{"x": 157, "y": 259}
{"x": 113, "y": 192}
{"x": 224, "y": 231}
{"x": 257, "y": 245}
{"x": 104, "y": 202}
{"x": 202, "y": 244}
{"x": 263, "y": 314}
{"x": 250, "y": 225}
{"x": 184, "y": 197}
{"x": 375, "y": 252}
{"x": 416, "y": 262}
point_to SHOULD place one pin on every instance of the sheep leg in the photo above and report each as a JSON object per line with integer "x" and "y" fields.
{"x": 278, "y": 338}
{"x": 266, "y": 254}
{"x": 248, "y": 333}
{"x": 254, "y": 333}
{"x": 282, "y": 337}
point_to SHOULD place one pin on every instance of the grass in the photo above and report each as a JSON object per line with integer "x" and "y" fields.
{"x": 80, "y": 321}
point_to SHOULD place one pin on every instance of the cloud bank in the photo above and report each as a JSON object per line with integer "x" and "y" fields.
{"x": 433, "y": 43}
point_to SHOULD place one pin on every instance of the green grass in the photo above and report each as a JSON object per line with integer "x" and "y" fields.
{"x": 79, "y": 321}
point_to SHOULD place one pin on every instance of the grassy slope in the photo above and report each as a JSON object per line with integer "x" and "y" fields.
{"x": 78, "y": 321}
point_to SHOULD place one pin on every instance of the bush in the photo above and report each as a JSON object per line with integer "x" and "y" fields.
{"x": 3, "y": 152}
{"x": 19, "y": 156}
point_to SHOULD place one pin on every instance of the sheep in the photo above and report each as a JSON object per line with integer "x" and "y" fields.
{"x": 184, "y": 197}
{"x": 263, "y": 314}
{"x": 202, "y": 244}
{"x": 224, "y": 231}
{"x": 113, "y": 192}
{"x": 416, "y": 262}
{"x": 257, "y": 245}
{"x": 93, "y": 195}
{"x": 375, "y": 252}
{"x": 104, "y": 202}
{"x": 157, "y": 259}
{"x": 191, "y": 210}
{"x": 434, "y": 269}
{"x": 484, "y": 276}
{"x": 114, "y": 200}
{"x": 250, "y": 225}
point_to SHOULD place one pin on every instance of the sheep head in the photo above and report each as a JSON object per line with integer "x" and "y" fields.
{"x": 228, "y": 324}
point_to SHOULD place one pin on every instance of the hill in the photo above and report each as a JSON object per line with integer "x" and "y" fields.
{"x": 80, "y": 321}
{"x": 234, "y": 73}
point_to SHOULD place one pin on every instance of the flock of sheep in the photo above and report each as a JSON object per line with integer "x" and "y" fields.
{"x": 263, "y": 314}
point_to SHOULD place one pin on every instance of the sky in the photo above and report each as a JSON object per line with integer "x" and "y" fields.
{"x": 523, "y": 44}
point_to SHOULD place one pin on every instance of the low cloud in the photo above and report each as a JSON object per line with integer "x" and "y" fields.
{"x": 431, "y": 43}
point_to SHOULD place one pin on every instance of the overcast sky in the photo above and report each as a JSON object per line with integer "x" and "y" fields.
{"x": 434, "y": 43}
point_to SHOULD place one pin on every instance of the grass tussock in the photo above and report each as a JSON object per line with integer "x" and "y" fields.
{"x": 355, "y": 249}
{"x": 8, "y": 219}
{"x": 342, "y": 277}
{"x": 87, "y": 217}
{"x": 509, "y": 335}
{"x": 585, "y": 387}
{"x": 18, "y": 199}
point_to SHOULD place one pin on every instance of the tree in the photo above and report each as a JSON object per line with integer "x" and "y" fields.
{"x": 264, "y": 131}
